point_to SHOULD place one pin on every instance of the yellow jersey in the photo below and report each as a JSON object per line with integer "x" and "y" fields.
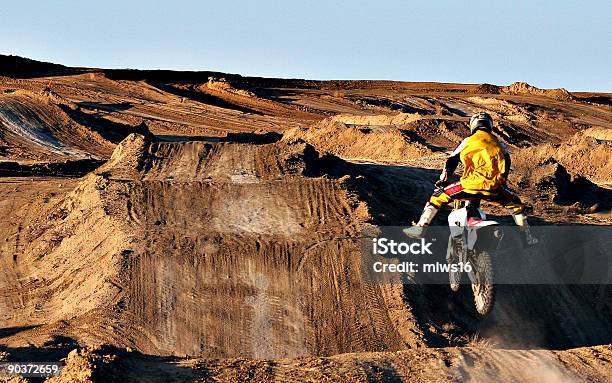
{"x": 484, "y": 160}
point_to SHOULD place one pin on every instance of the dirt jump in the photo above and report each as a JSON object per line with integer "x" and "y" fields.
{"x": 198, "y": 226}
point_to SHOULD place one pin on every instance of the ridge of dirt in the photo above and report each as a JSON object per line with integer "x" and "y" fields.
{"x": 361, "y": 143}
{"x": 586, "y": 154}
{"x": 553, "y": 185}
{"x": 424, "y": 365}
{"x": 219, "y": 91}
{"x": 377, "y": 120}
{"x": 223, "y": 85}
{"x": 523, "y": 88}
{"x": 393, "y": 139}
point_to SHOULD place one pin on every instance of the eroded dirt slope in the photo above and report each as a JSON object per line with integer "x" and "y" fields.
{"x": 166, "y": 238}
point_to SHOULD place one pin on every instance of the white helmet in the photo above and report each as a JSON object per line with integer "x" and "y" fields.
{"x": 481, "y": 120}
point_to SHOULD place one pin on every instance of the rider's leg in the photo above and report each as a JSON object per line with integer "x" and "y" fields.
{"x": 511, "y": 201}
{"x": 439, "y": 198}
{"x": 521, "y": 221}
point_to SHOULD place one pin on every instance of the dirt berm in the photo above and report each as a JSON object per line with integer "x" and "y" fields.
{"x": 211, "y": 249}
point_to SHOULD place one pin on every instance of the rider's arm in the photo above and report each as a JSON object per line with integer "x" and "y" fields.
{"x": 453, "y": 161}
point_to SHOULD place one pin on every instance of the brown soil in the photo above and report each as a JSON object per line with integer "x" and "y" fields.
{"x": 365, "y": 142}
{"x": 522, "y": 88}
{"x": 474, "y": 364}
{"x": 586, "y": 154}
{"x": 35, "y": 126}
{"x": 152, "y": 221}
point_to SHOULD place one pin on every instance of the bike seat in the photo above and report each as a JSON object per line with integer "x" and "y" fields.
{"x": 476, "y": 222}
{"x": 473, "y": 222}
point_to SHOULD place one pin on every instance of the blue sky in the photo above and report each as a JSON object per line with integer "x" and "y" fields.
{"x": 546, "y": 43}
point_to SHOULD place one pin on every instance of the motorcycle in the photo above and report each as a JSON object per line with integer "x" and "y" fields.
{"x": 472, "y": 239}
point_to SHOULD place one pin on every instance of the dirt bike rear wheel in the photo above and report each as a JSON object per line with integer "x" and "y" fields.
{"x": 483, "y": 287}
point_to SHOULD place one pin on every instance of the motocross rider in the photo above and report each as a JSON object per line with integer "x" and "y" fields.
{"x": 486, "y": 163}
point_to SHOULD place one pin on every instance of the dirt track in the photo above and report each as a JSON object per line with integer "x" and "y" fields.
{"x": 204, "y": 243}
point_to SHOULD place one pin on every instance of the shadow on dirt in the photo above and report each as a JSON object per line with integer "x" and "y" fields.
{"x": 413, "y": 136}
{"x": 52, "y": 351}
{"x": 71, "y": 168}
{"x": 205, "y": 98}
{"x": 513, "y": 135}
{"x": 393, "y": 105}
{"x": 601, "y": 100}
{"x": 284, "y": 96}
{"x": 240, "y": 138}
{"x": 20, "y": 67}
{"x": 394, "y": 194}
{"x": 105, "y": 363}
{"x": 377, "y": 372}
{"x": 525, "y": 316}
{"x": 8, "y": 331}
{"x": 110, "y": 130}
{"x": 108, "y": 107}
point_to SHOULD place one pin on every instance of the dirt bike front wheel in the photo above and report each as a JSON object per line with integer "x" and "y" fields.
{"x": 482, "y": 284}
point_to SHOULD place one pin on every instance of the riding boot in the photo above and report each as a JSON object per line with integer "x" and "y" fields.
{"x": 521, "y": 222}
{"x": 418, "y": 230}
